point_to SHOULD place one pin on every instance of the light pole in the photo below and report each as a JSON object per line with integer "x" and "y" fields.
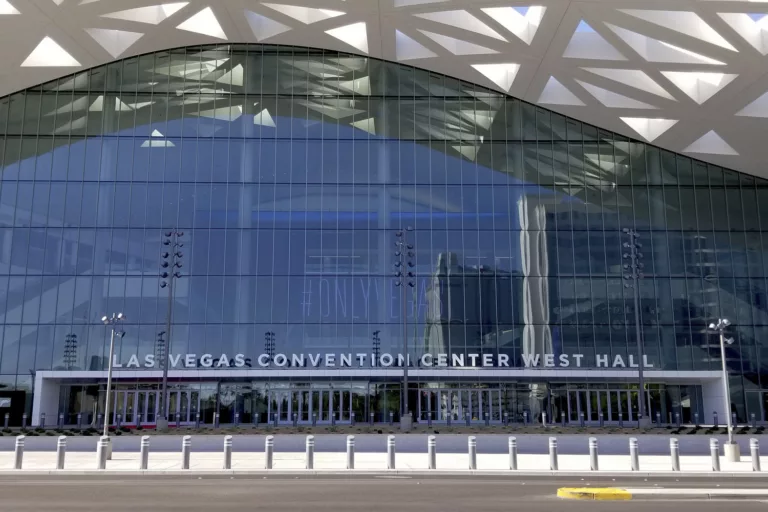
{"x": 170, "y": 263}
{"x": 633, "y": 273}
{"x": 70, "y": 350}
{"x": 269, "y": 344}
{"x": 376, "y": 348}
{"x": 731, "y": 449}
{"x": 404, "y": 278}
{"x": 112, "y": 321}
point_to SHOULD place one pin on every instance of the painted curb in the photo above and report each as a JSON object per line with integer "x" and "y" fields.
{"x": 597, "y": 494}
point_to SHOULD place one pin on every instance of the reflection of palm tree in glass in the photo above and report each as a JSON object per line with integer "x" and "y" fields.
{"x": 537, "y": 335}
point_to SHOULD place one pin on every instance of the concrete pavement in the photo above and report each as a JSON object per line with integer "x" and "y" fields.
{"x": 406, "y": 443}
{"x": 72, "y": 494}
{"x": 294, "y": 462}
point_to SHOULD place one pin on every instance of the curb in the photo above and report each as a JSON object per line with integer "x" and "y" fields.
{"x": 597, "y": 494}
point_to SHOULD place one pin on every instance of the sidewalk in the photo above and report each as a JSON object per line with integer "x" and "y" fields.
{"x": 330, "y": 462}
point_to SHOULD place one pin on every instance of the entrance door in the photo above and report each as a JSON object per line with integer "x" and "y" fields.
{"x": 146, "y": 406}
{"x": 182, "y": 406}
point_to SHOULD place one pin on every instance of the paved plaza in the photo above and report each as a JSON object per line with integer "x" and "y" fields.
{"x": 335, "y": 461}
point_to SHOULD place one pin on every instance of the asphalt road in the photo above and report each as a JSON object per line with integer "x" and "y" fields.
{"x": 19, "y": 494}
{"x": 367, "y": 443}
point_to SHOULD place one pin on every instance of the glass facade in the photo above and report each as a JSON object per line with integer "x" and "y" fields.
{"x": 290, "y": 171}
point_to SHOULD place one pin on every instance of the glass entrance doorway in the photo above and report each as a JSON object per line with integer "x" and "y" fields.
{"x": 456, "y": 404}
{"x": 612, "y": 406}
{"x": 183, "y": 406}
{"x": 306, "y": 405}
{"x": 130, "y": 407}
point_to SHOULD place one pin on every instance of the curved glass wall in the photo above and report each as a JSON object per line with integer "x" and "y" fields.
{"x": 290, "y": 170}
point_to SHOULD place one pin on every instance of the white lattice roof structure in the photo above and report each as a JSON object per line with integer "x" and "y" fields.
{"x": 688, "y": 75}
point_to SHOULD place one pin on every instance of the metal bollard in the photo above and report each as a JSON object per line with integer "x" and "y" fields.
{"x": 593, "y": 462}
{"x": 275, "y": 420}
{"x": 391, "y": 418}
{"x": 754, "y": 451}
{"x": 467, "y": 419}
{"x": 42, "y": 420}
{"x": 314, "y": 419}
{"x": 186, "y": 449}
{"x": 138, "y": 419}
{"x": 714, "y": 450}
{"x": 24, "y": 420}
{"x": 429, "y": 419}
{"x": 553, "y": 453}
{"x": 602, "y": 420}
{"x": 237, "y": 418}
{"x": 487, "y": 420}
{"x": 215, "y": 420}
{"x": 432, "y": 452}
{"x": 677, "y": 419}
{"x": 178, "y": 419}
{"x": 80, "y": 420}
{"x": 753, "y": 420}
{"x": 309, "y": 453}
{"x": 18, "y": 452}
{"x": 120, "y": 420}
{"x": 269, "y": 449}
{"x": 715, "y": 423}
{"x": 227, "y": 452}
{"x": 295, "y": 419}
{"x": 61, "y": 420}
{"x": 581, "y": 420}
{"x": 350, "y": 452}
{"x": 333, "y": 419}
{"x": 634, "y": 454}
{"x": 506, "y": 419}
{"x": 6, "y": 420}
{"x": 448, "y": 420}
{"x": 391, "y": 452}
{"x": 674, "y": 452}
{"x": 562, "y": 419}
{"x": 144, "y": 462}
{"x": 658, "y": 419}
{"x": 621, "y": 419}
{"x": 197, "y": 419}
{"x": 61, "y": 451}
{"x": 472, "y": 448}
{"x": 696, "y": 420}
{"x": 371, "y": 416}
{"x": 512, "y": 453}
{"x": 101, "y": 452}
{"x": 525, "y": 417}
{"x": 352, "y": 419}
{"x": 544, "y": 419}
{"x": 734, "y": 420}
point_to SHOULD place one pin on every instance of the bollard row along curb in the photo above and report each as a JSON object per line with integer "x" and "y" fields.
{"x": 103, "y": 454}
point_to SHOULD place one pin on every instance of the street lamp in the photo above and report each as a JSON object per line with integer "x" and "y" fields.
{"x": 731, "y": 449}
{"x": 112, "y": 321}
{"x": 633, "y": 273}
{"x": 404, "y": 278}
{"x": 170, "y": 263}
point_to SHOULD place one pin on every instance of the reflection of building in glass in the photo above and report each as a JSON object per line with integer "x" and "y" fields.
{"x": 470, "y": 309}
